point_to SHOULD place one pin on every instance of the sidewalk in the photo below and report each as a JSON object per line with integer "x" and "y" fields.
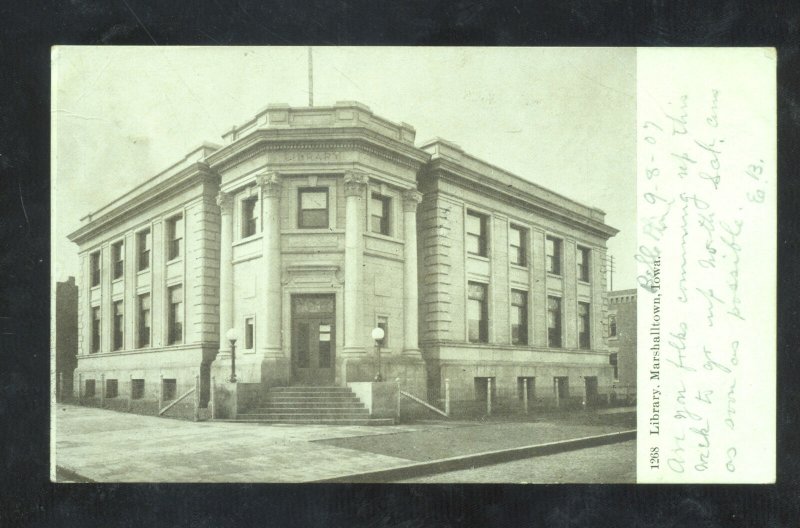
{"x": 107, "y": 446}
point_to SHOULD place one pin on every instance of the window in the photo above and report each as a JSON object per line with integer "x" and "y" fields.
{"x": 517, "y": 245}
{"x": 143, "y": 249}
{"x": 612, "y": 326}
{"x": 144, "y": 320}
{"x": 477, "y": 313}
{"x": 476, "y": 234}
{"x": 94, "y": 260}
{"x": 554, "y": 322}
{"x": 112, "y": 388}
{"x": 249, "y": 216}
{"x": 553, "y": 255}
{"x": 137, "y": 389}
{"x": 175, "y": 323}
{"x": 175, "y": 237}
{"x": 383, "y": 323}
{"x": 89, "y": 390}
{"x": 95, "y": 329}
{"x": 169, "y": 389}
{"x": 612, "y": 359}
{"x": 324, "y": 346}
{"x": 583, "y": 325}
{"x": 249, "y": 333}
{"x": 519, "y": 317}
{"x": 380, "y": 209}
{"x": 118, "y": 311}
{"x": 313, "y": 210}
{"x": 584, "y": 260}
{"x": 526, "y": 383}
{"x": 118, "y": 256}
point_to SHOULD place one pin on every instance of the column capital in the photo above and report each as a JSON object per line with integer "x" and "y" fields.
{"x": 270, "y": 183}
{"x": 411, "y": 199}
{"x": 225, "y": 202}
{"x": 355, "y": 183}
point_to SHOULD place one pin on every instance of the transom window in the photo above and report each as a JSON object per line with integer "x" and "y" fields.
{"x": 553, "y": 255}
{"x": 477, "y": 313}
{"x": 517, "y": 237}
{"x": 313, "y": 208}
{"x": 380, "y": 210}
{"x": 476, "y": 234}
{"x": 583, "y": 262}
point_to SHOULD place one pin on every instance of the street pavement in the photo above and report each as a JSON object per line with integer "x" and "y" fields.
{"x": 107, "y": 446}
{"x": 609, "y": 464}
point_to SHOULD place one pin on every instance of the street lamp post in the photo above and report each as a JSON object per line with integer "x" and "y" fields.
{"x": 378, "y": 335}
{"x": 232, "y": 336}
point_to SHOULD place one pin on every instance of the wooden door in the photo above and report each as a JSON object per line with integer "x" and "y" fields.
{"x": 313, "y": 342}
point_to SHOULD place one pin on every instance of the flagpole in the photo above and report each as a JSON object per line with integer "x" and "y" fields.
{"x": 310, "y": 78}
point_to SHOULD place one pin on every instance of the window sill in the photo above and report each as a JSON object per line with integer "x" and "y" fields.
{"x": 587, "y": 283}
{"x": 247, "y": 240}
{"x": 94, "y": 287}
{"x": 551, "y": 275}
{"x": 143, "y": 271}
{"x": 312, "y": 231}
{"x": 477, "y": 257}
{"x": 174, "y": 261}
{"x": 388, "y": 238}
{"x": 115, "y": 281}
{"x": 522, "y": 267}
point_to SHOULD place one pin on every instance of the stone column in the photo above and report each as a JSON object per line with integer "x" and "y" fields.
{"x": 269, "y": 282}
{"x": 355, "y": 185}
{"x": 225, "y": 202}
{"x": 411, "y": 198}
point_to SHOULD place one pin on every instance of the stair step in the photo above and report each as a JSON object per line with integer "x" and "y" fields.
{"x": 321, "y": 406}
{"x": 301, "y": 410}
{"x": 295, "y": 403}
{"x": 323, "y": 421}
{"x": 310, "y": 398}
{"x": 310, "y": 389}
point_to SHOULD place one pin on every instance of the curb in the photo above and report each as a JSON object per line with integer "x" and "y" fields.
{"x": 486, "y": 458}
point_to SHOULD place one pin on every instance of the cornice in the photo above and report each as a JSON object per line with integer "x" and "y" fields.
{"x": 461, "y": 176}
{"x": 196, "y": 174}
{"x": 267, "y": 140}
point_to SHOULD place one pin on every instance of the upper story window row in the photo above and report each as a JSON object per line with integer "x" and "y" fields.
{"x": 477, "y": 243}
{"x": 143, "y": 246}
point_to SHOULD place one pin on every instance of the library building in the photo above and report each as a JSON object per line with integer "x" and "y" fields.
{"x": 318, "y": 258}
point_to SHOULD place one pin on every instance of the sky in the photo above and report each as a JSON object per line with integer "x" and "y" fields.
{"x": 561, "y": 117}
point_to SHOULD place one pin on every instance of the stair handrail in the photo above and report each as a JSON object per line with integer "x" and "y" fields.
{"x": 424, "y": 403}
{"x": 174, "y": 402}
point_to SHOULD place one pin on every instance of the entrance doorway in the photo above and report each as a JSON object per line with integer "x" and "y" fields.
{"x": 313, "y": 339}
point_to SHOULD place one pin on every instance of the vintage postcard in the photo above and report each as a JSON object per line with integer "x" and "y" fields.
{"x": 415, "y": 265}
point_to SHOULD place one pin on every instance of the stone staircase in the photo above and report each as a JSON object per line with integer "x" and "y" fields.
{"x": 310, "y": 405}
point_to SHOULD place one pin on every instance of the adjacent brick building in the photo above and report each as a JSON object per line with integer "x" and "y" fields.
{"x": 66, "y": 336}
{"x": 622, "y": 341}
{"x": 307, "y": 228}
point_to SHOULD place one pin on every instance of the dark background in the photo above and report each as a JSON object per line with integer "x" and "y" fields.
{"x": 27, "y": 30}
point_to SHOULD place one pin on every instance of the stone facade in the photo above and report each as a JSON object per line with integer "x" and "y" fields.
{"x": 335, "y": 207}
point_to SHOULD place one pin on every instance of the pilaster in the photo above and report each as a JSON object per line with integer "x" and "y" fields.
{"x": 225, "y": 203}
{"x": 268, "y": 320}
{"x": 355, "y": 185}
{"x": 411, "y": 199}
